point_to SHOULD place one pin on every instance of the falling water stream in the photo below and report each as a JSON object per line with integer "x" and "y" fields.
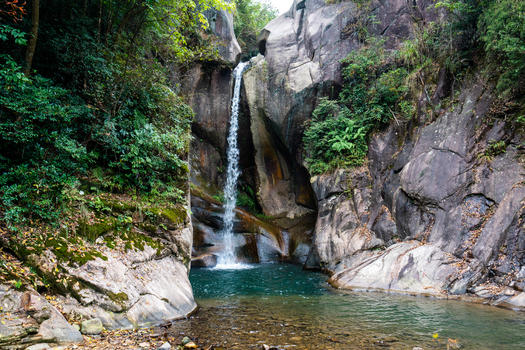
{"x": 226, "y": 259}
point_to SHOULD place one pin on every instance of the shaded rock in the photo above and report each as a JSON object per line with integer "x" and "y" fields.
{"x": 502, "y": 222}
{"x": 221, "y": 24}
{"x": 207, "y": 260}
{"x": 282, "y": 187}
{"x": 92, "y": 327}
{"x": 341, "y": 229}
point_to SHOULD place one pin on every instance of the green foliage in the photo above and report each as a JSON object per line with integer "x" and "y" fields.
{"x": 502, "y": 27}
{"x": 247, "y": 202}
{"x": 39, "y": 143}
{"x": 105, "y": 113}
{"x": 7, "y": 32}
{"x": 374, "y": 87}
{"x": 495, "y": 27}
{"x": 496, "y": 148}
{"x": 250, "y": 18}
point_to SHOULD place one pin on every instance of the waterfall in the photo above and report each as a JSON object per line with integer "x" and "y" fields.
{"x": 227, "y": 259}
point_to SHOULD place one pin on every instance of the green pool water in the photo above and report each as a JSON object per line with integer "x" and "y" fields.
{"x": 288, "y": 308}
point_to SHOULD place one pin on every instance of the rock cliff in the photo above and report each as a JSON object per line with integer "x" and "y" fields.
{"x": 429, "y": 212}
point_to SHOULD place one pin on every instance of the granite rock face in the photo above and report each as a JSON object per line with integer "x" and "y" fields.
{"x": 221, "y": 24}
{"x": 407, "y": 267}
{"x": 447, "y": 217}
{"x": 434, "y": 189}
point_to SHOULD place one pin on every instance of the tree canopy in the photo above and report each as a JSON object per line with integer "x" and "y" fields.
{"x": 250, "y": 18}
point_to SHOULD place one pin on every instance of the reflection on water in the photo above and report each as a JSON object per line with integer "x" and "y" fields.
{"x": 283, "y": 306}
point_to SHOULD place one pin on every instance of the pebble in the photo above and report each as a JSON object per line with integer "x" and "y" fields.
{"x": 165, "y": 346}
{"x": 417, "y": 348}
{"x": 144, "y": 345}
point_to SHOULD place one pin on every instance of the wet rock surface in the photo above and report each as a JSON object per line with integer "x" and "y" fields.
{"x": 255, "y": 240}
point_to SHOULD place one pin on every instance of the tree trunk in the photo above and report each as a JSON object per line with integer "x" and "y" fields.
{"x": 34, "y": 36}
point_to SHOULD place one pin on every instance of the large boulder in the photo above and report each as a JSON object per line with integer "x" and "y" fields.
{"x": 341, "y": 229}
{"x": 131, "y": 289}
{"x": 221, "y": 24}
{"x": 408, "y": 267}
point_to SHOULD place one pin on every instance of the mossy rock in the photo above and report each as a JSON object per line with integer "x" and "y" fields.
{"x": 150, "y": 228}
{"x": 119, "y": 298}
{"x": 121, "y": 206}
{"x": 176, "y": 215}
{"x": 138, "y": 241}
{"x": 93, "y": 231}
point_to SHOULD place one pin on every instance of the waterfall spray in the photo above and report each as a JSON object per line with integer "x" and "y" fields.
{"x": 227, "y": 257}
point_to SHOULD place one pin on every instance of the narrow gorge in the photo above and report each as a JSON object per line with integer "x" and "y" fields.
{"x": 426, "y": 214}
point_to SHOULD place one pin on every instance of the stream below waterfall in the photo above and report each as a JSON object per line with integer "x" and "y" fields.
{"x": 288, "y": 308}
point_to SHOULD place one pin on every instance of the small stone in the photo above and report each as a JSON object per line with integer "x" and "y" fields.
{"x": 165, "y": 346}
{"x": 185, "y": 340}
{"x": 190, "y": 345}
{"x": 38, "y": 347}
{"x": 92, "y": 327}
{"x": 509, "y": 292}
{"x": 144, "y": 345}
{"x": 265, "y": 347}
{"x": 521, "y": 274}
{"x": 417, "y": 348}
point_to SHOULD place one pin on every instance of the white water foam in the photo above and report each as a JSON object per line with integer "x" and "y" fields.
{"x": 235, "y": 266}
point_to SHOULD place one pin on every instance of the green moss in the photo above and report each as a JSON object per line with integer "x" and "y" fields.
{"x": 119, "y": 298}
{"x": 148, "y": 227}
{"x": 176, "y": 215}
{"x": 93, "y": 231}
{"x": 67, "y": 248}
{"x": 121, "y": 206}
{"x": 138, "y": 241}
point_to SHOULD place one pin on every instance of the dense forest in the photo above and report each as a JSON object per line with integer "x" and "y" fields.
{"x": 86, "y": 102}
